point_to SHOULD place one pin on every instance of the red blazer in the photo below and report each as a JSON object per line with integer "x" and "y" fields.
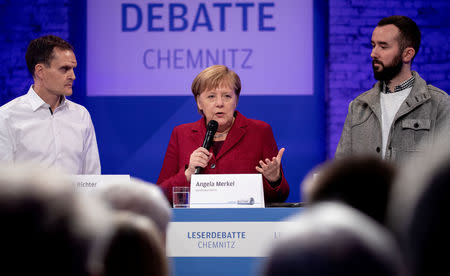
{"x": 247, "y": 142}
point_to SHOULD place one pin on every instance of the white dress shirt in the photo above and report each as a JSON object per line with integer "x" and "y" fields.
{"x": 65, "y": 140}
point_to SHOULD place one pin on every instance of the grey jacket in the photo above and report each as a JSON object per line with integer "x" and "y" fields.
{"x": 421, "y": 117}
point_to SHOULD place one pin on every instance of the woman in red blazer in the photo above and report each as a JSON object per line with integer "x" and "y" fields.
{"x": 240, "y": 145}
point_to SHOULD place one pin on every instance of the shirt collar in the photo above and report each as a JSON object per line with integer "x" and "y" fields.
{"x": 402, "y": 86}
{"x": 37, "y": 102}
{"x": 63, "y": 102}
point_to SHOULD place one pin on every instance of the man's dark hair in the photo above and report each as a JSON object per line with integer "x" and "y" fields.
{"x": 409, "y": 31}
{"x": 40, "y": 50}
{"x": 362, "y": 182}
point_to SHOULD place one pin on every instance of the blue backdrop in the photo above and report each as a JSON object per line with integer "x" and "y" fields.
{"x": 133, "y": 132}
{"x": 342, "y": 65}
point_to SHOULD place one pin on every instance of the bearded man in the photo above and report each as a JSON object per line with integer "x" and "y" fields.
{"x": 402, "y": 114}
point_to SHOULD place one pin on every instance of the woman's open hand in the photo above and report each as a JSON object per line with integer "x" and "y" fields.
{"x": 270, "y": 169}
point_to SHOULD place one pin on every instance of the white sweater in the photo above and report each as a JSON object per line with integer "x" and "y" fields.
{"x": 390, "y": 104}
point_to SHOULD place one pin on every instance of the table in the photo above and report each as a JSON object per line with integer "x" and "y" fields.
{"x": 223, "y": 241}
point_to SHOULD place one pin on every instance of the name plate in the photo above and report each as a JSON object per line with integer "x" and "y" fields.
{"x": 89, "y": 182}
{"x": 226, "y": 191}
{"x": 224, "y": 239}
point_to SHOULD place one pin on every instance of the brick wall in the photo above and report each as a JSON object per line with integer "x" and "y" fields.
{"x": 350, "y": 28}
{"x": 20, "y": 22}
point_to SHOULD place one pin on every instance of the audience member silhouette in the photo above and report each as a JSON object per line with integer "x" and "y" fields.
{"x": 47, "y": 228}
{"x": 333, "y": 239}
{"x": 418, "y": 213}
{"x": 362, "y": 182}
{"x": 139, "y": 197}
{"x": 135, "y": 249}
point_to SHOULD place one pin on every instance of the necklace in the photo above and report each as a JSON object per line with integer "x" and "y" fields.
{"x": 223, "y": 134}
{"x": 220, "y": 135}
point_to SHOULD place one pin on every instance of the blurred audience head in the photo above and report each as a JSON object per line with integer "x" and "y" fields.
{"x": 139, "y": 197}
{"x": 362, "y": 182}
{"x": 333, "y": 239}
{"x": 417, "y": 211}
{"x": 135, "y": 249}
{"x": 47, "y": 228}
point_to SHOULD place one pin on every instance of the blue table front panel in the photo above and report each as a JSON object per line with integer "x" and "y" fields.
{"x": 218, "y": 266}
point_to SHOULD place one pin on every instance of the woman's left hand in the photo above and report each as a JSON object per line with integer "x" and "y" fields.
{"x": 270, "y": 169}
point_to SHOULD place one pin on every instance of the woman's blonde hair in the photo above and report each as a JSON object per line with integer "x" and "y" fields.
{"x": 214, "y": 77}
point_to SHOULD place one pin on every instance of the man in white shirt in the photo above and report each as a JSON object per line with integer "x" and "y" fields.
{"x": 402, "y": 114}
{"x": 43, "y": 126}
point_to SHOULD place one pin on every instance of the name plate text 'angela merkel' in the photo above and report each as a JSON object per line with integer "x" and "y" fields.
{"x": 226, "y": 191}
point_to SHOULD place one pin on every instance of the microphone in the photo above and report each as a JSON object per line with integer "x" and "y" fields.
{"x": 209, "y": 136}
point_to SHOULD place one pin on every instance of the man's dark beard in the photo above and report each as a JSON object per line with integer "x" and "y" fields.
{"x": 388, "y": 72}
